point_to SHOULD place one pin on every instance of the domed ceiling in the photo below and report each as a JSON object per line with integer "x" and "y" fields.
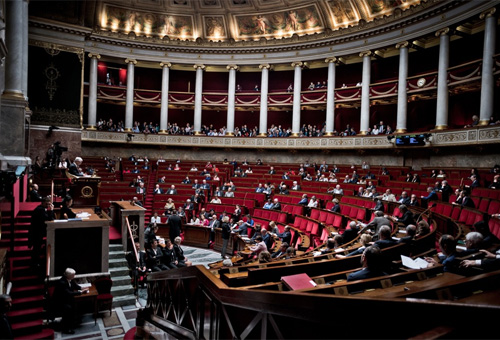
{"x": 222, "y": 20}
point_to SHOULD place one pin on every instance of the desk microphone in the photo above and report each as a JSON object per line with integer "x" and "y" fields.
{"x": 429, "y": 208}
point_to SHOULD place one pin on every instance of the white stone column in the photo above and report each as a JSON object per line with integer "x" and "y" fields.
{"x": 129, "y": 106}
{"x": 264, "y": 90}
{"x": 487, "y": 79}
{"x": 231, "y": 97}
{"x": 330, "y": 95}
{"x": 297, "y": 86}
{"x": 365, "y": 93}
{"x": 14, "y": 34}
{"x": 442, "y": 85}
{"x": 402, "y": 95}
{"x": 25, "y": 48}
{"x": 92, "y": 111}
{"x": 165, "y": 76}
{"x": 198, "y": 98}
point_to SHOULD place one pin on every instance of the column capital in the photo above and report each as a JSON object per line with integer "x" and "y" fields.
{"x": 299, "y": 64}
{"x": 199, "y": 66}
{"x": 488, "y": 13}
{"x": 442, "y": 31}
{"x": 265, "y": 66}
{"x": 232, "y": 67}
{"x": 403, "y": 44}
{"x": 95, "y": 55}
{"x": 165, "y": 64}
{"x": 332, "y": 60}
{"x": 130, "y": 61}
{"x": 365, "y": 53}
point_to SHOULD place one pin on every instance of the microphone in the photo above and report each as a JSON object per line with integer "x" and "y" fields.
{"x": 423, "y": 212}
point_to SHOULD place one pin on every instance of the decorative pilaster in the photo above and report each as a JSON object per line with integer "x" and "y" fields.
{"x": 165, "y": 74}
{"x": 231, "y": 97}
{"x": 402, "y": 94}
{"x": 92, "y": 110}
{"x": 487, "y": 79}
{"x": 442, "y": 86}
{"x": 264, "y": 90}
{"x": 365, "y": 93}
{"x": 297, "y": 86}
{"x": 129, "y": 106}
{"x": 198, "y": 98}
{"x": 14, "y": 33}
{"x": 330, "y": 95}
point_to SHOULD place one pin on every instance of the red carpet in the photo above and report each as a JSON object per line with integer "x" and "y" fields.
{"x": 114, "y": 233}
{"x": 130, "y": 335}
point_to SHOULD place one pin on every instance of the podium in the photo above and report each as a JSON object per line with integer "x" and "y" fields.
{"x": 85, "y": 191}
{"x": 120, "y": 211}
{"x": 81, "y": 244}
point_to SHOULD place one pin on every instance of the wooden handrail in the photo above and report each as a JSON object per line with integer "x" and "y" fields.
{"x": 47, "y": 260}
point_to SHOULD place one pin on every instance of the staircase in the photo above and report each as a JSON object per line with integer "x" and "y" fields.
{"x": 149, "y": 197}
{"x": 27, "y": 313}
{"x": 122, "y": 289}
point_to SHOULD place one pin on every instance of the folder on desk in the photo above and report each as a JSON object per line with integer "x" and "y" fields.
{"x": 298, "y": 281}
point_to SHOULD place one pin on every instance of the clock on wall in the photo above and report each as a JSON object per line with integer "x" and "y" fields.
{"x": 421, "y": 82}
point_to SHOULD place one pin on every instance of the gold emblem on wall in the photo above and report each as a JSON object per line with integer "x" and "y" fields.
{"x": 52, "y": 73}
{"x": 87, "y": 192}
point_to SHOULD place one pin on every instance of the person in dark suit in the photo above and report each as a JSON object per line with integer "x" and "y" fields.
{"x": 446, "y": 190}
{"x": 379, "y": 205}
{"x": 135, "y": 201}
{"x": 384, "y": 238}
{"x": 276, "y": 205}
{"x": 66, "y": 211}
{"x": 271, "y": 171}
{"x": 280, "y": 251}
{"x": 172, "y": 190}
{"x": 169, "y": 257}
{"x": 38, "y": 230}
{"x": 371, "y": 262}
{"x": 411, "y": 232}
{"x": 304, "y": 200}
{"x": 407, "y": 218}
{"x": 336, "y": 206}
{"x": 65, "y": 291}
{"x": 74, "y": 168}
{"x": 226, "y": 233}
{"x": 155, "y": 258}
{"x": 351, "y": 233}
{"x": 5, "y": 325}
{"x": 174, "y": 222}
{"x": 137, "y": 266}
{"x": 404, "y": 199}
{"x": 158, "y": 190}
{"x": 286, "y": 235}
{"x": 35, "y": 195}
{"x": 182, "y": 260}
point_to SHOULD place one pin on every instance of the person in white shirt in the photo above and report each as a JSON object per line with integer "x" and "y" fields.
{"x": 156, "y": 219}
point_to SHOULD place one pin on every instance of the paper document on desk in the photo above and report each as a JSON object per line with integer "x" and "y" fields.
{"x": 85, "y": 285}
{"x": 60, "y": 221}
{"x": 418, "y": 263}
{"x": 83, "y": 215}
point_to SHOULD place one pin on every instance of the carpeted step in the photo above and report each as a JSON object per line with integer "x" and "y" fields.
{"x": 27, "y": 302}
{"x": 27, "y": 327}
{"x": 19, "y": 291}
{"x": 25, "y": 314}
{"x": 45, "y": 333}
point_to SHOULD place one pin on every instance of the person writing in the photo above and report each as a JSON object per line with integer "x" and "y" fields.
{"x": 64, "y": 299}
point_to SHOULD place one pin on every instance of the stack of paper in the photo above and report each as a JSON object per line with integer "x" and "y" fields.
{"x": 418, "y": 263}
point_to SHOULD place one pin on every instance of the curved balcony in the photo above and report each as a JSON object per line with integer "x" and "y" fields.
{"x": 463, "y": 137}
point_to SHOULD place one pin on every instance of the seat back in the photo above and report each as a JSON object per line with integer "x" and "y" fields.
{"x": 103, "y": 285}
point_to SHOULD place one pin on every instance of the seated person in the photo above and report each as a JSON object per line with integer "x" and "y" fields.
{"x": 371, "y": 261}
{"x": 448, "y": 255}
{"x": 364, "y": 240}
{"x": 169, "y": 256}
{"x": 66, "y": 211}
{"x": 65, "y": 291}
{"x": 385, "y": 239}
{"x": 155, "y": 258}
{"x": 259, "y": 247}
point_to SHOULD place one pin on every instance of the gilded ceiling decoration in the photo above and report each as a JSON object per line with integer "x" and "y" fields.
{"x": 222, "y": 20}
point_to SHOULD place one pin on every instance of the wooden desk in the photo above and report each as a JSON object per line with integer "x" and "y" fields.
{"x": 79, "y": 244}
{"x": 89, "y": 298}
